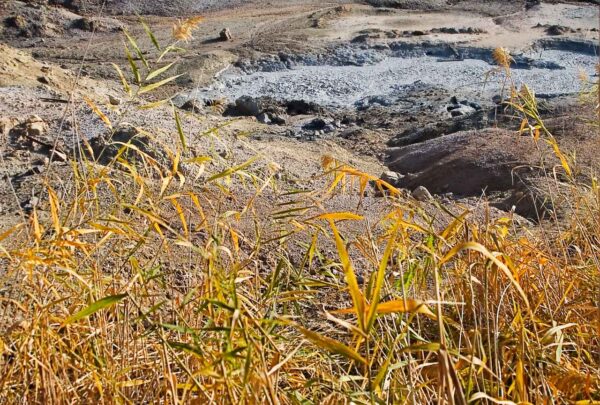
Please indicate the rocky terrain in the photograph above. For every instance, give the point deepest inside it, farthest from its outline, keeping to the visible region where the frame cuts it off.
(299, 201)
(401, 86)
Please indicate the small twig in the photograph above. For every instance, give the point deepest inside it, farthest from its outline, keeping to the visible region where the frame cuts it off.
(55, 150)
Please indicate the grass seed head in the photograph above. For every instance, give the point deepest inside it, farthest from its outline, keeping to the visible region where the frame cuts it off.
(182, 29)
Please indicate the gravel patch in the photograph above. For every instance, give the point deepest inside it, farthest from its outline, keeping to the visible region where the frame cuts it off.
(343, 86)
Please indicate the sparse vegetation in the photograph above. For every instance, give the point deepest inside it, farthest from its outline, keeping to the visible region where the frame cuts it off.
(147, 279)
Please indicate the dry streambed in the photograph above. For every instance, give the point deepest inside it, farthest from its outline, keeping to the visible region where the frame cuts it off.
(353, 75)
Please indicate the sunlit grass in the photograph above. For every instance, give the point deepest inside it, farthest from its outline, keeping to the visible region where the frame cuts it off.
(148, 282)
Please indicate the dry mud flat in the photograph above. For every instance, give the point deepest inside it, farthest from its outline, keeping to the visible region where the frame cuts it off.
(371, 75)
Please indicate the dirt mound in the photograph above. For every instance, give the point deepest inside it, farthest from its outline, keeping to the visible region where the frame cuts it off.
(499, 163)
(32, 20)
(18, 68)
(464, 163)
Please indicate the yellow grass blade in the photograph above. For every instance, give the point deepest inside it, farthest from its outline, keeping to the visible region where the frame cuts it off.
(179, 129)
(154, 86)
(54, 207)
(126, 85)
(396, 306)
(97, 111)
(380, 277)
(357, 296)
(159, 71)
(331, 345)
(340, 216)
(481, 249)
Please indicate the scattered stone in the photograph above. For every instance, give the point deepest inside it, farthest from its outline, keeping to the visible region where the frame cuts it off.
(301, 107)
(362, 38)
(114, 100)
(278, 119)
(30, 204)
(84, 24)
(451, 30)
(532, 3)
(475, 106)
(36, 127)
(459, 111)
(34, 118)
(263, 118)
(367, 102)
(329, 128)
(106, 148)
(557, 30)
(192, 105)
(17, 21)
(225, 35)
(324, 125)
(43, 80)
(247, 105)
(462, 107)
(421, 194)
(391, 177)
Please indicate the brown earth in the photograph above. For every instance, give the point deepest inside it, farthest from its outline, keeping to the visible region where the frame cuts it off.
(52, 56)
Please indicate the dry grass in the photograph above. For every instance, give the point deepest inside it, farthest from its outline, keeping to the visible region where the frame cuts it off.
(138, 284)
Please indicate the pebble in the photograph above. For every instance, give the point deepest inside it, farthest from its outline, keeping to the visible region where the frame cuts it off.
(421, 194)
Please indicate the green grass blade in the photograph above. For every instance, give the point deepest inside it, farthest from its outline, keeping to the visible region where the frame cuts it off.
(150, 34)
(94, 307)
(154, 86)
(180, 130)
(159, 71)
(331, 345)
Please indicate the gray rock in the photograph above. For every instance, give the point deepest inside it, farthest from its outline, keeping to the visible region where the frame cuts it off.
(462, 110)
(498, 99)
(391, 177)
(278, 119)
(225, 35)
(317, 124)
(247, 105)
(263, 118)
(30, 204)
(475, 105)
(192, 105)
(329, 128)
(114, 100)
(36, 127)
(421, 194)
